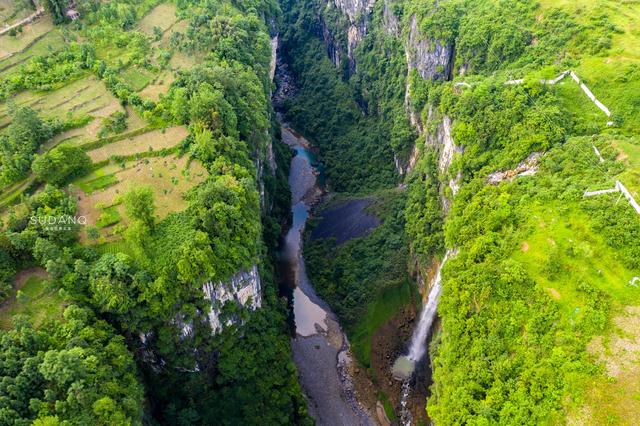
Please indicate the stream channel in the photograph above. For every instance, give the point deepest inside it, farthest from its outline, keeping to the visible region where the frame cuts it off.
(320, 347)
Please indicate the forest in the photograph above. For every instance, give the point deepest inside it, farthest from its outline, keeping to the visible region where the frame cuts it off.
(142, 176)
(534, 288)
(134, 343)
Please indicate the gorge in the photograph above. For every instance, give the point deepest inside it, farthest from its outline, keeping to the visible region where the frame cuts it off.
(332, 212)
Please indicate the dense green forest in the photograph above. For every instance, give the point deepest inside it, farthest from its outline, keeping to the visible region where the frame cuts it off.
(134, 344)
(534, 286)
(141, 171)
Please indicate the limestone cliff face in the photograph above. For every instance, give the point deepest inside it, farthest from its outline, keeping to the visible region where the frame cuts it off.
(357, 13)
(432, 59)
(390, 21)
(354, 9)
(242, 289)
(331, 44)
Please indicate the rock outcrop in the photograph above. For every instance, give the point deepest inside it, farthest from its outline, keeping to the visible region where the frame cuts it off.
(243, 289)
(526, 168)
(432, 59)
(442, 140)
(331, 44)
(357, 13)
(390, 21)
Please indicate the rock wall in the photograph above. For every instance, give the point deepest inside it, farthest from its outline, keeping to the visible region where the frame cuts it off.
(357, 12)
(354, 9)
(331, 44)
(429, 57)
(432, 60)
(390, 21)
(243, 288)
(442, 140)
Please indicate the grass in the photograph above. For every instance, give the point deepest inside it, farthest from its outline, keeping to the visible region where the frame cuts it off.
(388, 407)
(561, 232)
(170, 178)
(86, 96)
(10, 194)
(114, 247)
(629, 153)
(159, 87)
(98, 183)
(151, 141)
(14, 10)
(38, 38)
(136, 78)
(613, 76)
(162, 16)
(38, 301)
(109, 216)
(587, 118)
(384, 307)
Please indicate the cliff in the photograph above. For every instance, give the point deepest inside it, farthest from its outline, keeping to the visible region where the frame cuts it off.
(357, 13)
(429, 57)
(242, 289)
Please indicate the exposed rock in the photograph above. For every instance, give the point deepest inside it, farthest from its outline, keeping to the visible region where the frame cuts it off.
(526, 168)
(274, 57)
(443, 141)
(429, 57)
(333, 48)
(243, 288)
(355, 9)
(405, 167)
(390, 21)
(354, 36)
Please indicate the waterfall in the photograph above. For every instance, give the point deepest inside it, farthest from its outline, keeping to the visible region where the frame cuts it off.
(428, 314)
(404, 366)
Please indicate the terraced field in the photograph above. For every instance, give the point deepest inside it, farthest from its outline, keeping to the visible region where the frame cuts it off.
(147, 142)
(99, 193)
(87, 96)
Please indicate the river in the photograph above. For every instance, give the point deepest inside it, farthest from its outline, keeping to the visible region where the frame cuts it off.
(320, 348)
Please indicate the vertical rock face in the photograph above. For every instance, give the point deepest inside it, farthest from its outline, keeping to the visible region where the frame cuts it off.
(354, 9)
(390, 20)
(357, 12)
(429, 57)
(432, 60)
(443, 141)
(333, 48)
(243, 289)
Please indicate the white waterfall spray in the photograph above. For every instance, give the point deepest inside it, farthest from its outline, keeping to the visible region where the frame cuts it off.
(404, 366)
(428, 314)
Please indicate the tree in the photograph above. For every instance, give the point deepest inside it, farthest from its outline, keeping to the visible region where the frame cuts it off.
(61, 164)
(57, 9)
(76, 371)
(139, 205)
(19, 142)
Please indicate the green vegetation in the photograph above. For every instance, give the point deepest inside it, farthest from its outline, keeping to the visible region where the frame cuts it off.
(37, 299)
(39, 366)
(97, 183)
(61, 164)
(19, 143)
(540, 271)
(144, 255)
(365, 280)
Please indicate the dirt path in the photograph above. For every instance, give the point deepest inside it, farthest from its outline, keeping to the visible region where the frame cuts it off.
(35, 15)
